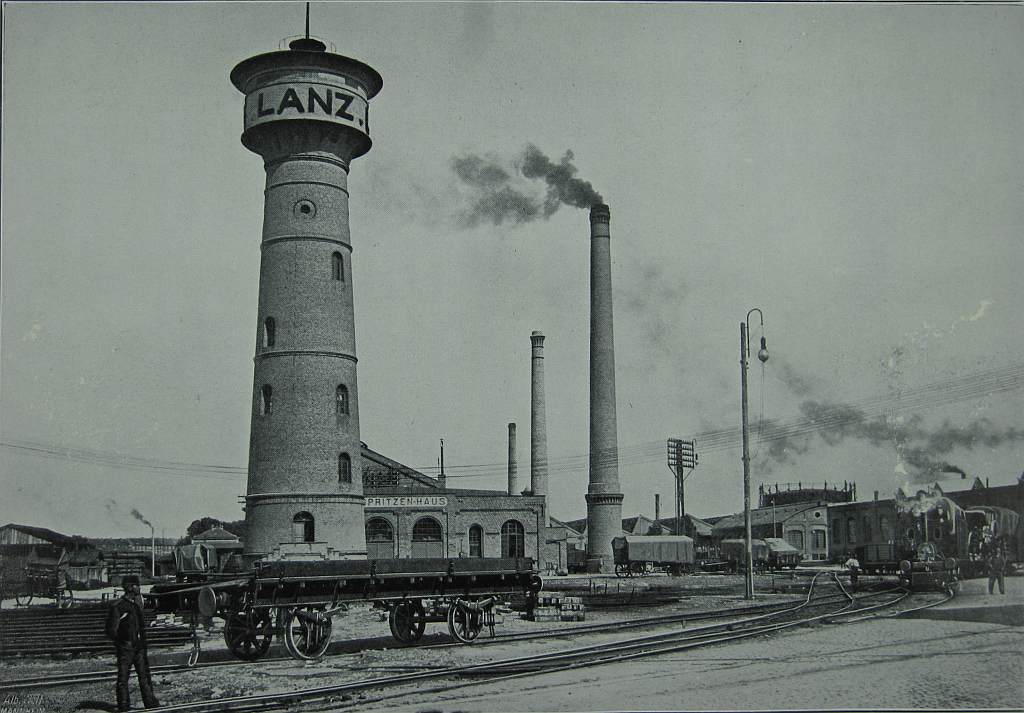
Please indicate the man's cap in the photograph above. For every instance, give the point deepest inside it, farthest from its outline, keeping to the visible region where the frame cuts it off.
(129, 579)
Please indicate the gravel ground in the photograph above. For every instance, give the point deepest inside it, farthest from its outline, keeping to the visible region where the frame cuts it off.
(363, 648)
(785, 671)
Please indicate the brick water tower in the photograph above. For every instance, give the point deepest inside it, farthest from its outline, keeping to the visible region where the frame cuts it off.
(306, 115)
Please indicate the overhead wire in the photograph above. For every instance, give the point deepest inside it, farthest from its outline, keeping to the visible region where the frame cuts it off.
(989, 382)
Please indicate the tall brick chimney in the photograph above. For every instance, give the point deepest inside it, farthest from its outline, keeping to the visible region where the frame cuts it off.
(604, 501)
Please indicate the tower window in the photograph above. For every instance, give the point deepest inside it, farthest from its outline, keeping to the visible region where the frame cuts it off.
(344, 468)
(341, 400)
(268, 332)
(266, 400)
(338, 267)
(303, 527)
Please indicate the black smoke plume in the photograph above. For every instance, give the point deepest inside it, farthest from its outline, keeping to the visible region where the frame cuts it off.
(138, 516)
(499, 193)
(923, 448)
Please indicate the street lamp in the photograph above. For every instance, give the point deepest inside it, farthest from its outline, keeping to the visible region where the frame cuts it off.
(762, 355)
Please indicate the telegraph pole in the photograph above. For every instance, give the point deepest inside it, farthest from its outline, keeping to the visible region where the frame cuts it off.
(681, 456)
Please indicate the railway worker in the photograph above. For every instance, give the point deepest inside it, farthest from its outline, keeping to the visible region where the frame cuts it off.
(994, 551)
(126, 627)
(853, 567)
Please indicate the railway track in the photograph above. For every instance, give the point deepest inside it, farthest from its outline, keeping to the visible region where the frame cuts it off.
(71, 631)
(106, 674)
(821, 609)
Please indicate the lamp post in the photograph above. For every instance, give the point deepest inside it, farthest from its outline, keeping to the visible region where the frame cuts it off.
(762, 354)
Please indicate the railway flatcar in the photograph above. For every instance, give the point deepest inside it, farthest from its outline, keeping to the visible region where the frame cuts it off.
(637, 555)
(734, 553)
(298, 599)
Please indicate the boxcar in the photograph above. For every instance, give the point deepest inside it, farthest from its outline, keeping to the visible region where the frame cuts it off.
(640, 554)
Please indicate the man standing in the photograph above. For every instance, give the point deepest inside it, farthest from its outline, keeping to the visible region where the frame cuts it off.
(853, 565)
(126, 627)
(994, 551)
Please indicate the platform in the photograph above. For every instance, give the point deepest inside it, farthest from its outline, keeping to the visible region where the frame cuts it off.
(974, 603)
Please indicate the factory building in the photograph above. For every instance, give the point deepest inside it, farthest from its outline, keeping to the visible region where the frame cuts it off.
(410, 514)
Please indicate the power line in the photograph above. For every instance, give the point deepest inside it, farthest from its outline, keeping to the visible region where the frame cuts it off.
(989, 382)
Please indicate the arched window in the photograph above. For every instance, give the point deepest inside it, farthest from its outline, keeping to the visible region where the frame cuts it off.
(344, 468)
(795, 538)
(476, 541)
(380, 539)
(851, 530)
(867, 528)
(341, 400)
(338, 267)
(883, 525)
(304, 527)
(266, 400)
(513, 539)
(268, 332)
(837, 531)
(427, 538)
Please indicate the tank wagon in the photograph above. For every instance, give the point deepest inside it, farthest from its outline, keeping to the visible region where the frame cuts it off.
(297, 599)
(637, 555)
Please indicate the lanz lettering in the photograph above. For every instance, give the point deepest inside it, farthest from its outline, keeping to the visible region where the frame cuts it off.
(314, 101)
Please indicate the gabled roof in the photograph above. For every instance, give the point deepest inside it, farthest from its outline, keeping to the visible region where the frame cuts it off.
(763, 516)
(697, 526)
(215, 533)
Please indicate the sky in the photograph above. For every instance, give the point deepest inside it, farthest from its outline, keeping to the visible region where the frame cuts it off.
(853, 171)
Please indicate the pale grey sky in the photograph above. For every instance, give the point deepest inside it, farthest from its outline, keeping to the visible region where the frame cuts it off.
(855, 171)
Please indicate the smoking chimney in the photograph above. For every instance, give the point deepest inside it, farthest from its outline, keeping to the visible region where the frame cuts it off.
(538, 423)
(604, 501)
(513, 466)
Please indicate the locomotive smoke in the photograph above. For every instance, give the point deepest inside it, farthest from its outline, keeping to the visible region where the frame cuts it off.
(920, 447)
(496, 199)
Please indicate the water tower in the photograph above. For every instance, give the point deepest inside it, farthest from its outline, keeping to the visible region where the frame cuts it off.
(306, 115)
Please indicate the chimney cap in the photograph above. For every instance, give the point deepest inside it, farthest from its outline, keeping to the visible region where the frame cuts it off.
(600, 213)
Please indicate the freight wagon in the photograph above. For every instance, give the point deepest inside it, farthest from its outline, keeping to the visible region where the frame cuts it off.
(637, 555)
(734, 553)
(298, 599)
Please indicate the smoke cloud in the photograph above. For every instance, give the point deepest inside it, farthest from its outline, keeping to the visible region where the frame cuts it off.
(138, 516)
(500, 194)
(923, 448)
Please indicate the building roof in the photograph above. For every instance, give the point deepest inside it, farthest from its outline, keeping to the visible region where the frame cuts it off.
(555, 522)
(697, 526)
(54, 538)
(215, 533)
(763, 516)
(393, 465)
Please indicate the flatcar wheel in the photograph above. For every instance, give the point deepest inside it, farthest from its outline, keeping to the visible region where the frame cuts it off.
(464, 624)
(636, 569)
(407, 620)
(307, 633)
(622, 570)
(248, 635)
